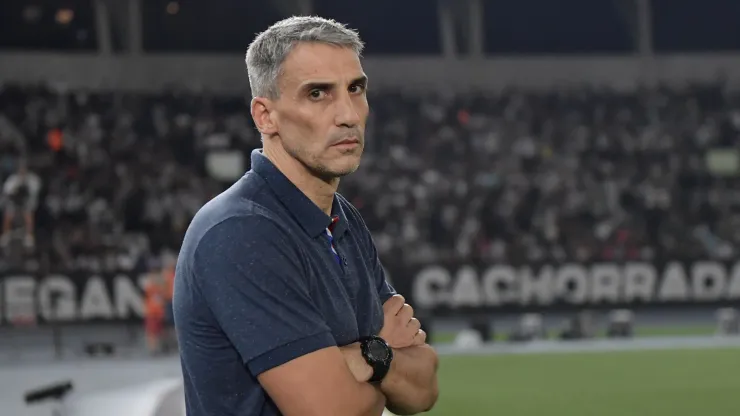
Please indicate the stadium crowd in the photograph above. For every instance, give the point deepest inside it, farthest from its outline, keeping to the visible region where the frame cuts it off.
(578, 173)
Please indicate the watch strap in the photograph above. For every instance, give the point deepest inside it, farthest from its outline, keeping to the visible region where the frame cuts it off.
(380, 367)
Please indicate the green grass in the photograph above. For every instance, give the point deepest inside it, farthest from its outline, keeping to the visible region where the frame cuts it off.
(642, 383)
(675, 331)
(646, 331)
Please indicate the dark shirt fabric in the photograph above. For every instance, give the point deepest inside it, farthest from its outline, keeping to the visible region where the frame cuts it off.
(257, 285)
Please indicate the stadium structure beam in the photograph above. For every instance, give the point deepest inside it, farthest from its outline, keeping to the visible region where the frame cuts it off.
(474, 22)
(627, 9)
(295, 7)
(645, 27)
(117, 12)
(447, 19)
(645, 41)
(125, 21)
(305, 7)
(637, 15)
(103, 27)
(135, 27)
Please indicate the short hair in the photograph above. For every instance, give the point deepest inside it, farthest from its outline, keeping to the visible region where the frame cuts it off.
(269, 49)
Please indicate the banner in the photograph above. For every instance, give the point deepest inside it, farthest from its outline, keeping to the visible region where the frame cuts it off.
(442, 289)
(70, 298)
(436, 288)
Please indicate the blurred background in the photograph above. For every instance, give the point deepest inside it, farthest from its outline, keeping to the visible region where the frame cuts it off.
(540, 177)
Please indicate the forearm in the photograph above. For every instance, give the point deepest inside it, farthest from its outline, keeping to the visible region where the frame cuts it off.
(373, 399)
(410, 387)
(411, 384)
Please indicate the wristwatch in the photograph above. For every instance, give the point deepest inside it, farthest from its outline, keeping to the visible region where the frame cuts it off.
(378, 355)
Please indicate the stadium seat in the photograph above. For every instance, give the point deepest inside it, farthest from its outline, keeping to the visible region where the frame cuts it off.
(728, 321)
(579, 326)
(530, 328)
(482, 324)
(620, 324)
(95, 349)
(468, 339)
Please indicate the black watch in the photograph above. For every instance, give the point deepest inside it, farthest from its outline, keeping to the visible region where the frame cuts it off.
(378, 355)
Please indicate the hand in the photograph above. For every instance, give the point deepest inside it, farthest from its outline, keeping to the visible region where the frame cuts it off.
(400, 328)
(356, 363)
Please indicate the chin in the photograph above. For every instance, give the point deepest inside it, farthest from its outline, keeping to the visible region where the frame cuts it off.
(352, 165)
(346, 163)
(345, 170)
(348, 171)
(337, 170)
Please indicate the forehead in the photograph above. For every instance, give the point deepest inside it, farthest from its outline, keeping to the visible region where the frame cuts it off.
(319, 61)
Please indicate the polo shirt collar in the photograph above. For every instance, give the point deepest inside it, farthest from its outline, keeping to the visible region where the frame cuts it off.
(311, 218)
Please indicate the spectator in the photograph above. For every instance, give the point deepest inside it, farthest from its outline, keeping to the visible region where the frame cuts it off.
(155, 300)
(516, 176)
(21, 192)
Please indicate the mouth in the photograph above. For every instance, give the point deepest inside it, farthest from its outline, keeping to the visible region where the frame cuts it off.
(348, 142)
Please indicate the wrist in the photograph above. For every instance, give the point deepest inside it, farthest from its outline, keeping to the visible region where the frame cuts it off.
(378, 355)
(364, 370)
(356, 362)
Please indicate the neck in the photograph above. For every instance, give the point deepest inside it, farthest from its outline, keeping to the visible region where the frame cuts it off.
(319, 191)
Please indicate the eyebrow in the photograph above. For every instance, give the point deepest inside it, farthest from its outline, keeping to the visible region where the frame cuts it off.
(324, 85)
(359, 80)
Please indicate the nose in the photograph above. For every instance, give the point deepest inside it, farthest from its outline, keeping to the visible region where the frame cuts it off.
(347, 114)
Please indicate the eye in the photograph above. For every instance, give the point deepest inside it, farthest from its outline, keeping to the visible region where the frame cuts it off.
(316, 94)
(356, 88)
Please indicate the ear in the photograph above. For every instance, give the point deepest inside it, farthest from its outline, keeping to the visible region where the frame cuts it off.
(261, 109)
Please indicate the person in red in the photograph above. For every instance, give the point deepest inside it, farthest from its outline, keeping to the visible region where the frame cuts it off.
(155, 300)
(169, 337)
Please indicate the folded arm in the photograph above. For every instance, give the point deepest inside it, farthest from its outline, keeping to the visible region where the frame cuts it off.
(410, 387)
(411, 384)
(319, 384)
(253, 282)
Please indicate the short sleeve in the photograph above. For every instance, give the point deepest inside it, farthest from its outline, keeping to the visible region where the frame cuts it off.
(251, 277)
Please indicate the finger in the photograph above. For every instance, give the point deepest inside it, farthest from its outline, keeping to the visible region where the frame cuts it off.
(414, 324)
(420, 338)
(393, 305)
(406, 313)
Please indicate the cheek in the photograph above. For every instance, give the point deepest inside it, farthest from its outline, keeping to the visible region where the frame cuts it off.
(312, 119)
(317, 128)
(297, 127)
(363, 108)
(307, 135)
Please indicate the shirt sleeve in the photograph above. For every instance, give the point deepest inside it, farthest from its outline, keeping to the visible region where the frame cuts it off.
(251, 277)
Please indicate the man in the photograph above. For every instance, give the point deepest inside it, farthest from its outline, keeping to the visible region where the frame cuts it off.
(281, 304)
(168, 321)
(21, 192)
(155, 293)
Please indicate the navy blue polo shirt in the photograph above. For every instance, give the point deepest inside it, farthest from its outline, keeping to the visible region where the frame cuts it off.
(258, 284)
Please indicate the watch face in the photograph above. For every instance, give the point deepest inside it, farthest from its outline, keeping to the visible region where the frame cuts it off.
(377, 351)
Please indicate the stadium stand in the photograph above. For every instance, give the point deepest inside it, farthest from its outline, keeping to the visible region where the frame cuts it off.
(520, 157)
(586, 174)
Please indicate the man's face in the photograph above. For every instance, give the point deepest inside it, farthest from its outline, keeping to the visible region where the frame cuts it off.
(321, 113)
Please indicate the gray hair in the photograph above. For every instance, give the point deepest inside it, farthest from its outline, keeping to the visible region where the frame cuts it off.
(269, 49)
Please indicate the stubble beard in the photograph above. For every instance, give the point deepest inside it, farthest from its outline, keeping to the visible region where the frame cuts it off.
(321, 170)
